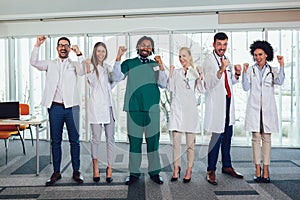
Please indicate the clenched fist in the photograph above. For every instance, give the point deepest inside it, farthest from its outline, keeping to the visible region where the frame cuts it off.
(40, 40)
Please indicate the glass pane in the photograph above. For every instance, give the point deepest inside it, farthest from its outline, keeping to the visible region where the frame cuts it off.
(22, 69)
(240, 53)
(3, 70)
(284, 43)
(37, 81)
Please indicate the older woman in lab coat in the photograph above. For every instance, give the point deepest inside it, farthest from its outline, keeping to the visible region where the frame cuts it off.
(261, 113)
(184, 116)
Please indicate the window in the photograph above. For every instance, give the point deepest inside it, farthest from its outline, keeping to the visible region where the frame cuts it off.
(167, 44)
(286, 43)
(4, 70)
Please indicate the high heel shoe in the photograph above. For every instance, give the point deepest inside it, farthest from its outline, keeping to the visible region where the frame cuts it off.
(108, 179)
(187, 180)
(96, 179)
(178, 175)
(95, 165)
(266, 180)
(257, 179)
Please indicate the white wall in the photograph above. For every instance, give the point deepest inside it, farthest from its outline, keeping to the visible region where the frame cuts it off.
(113, 25)
(62, 17)
(118, 25)
(41, 9)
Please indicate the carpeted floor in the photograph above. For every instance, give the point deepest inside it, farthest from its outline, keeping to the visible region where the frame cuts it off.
(18, 179)
(30, 166)
(289, 187)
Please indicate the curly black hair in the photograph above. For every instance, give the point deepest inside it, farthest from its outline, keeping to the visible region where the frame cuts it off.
(265, 46)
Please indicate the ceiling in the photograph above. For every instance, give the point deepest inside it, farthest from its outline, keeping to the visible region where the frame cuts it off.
(42, 9)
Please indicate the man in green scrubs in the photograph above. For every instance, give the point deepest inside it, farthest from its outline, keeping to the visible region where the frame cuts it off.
(142, 97)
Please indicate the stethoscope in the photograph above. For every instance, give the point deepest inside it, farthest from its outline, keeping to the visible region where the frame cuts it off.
(219, 64)
(270, 72)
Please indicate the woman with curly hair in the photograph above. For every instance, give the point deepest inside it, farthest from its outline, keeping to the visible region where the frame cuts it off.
(261, 112)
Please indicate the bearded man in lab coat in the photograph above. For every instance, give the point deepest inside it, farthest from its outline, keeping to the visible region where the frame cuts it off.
(61, 97)
(219, 117)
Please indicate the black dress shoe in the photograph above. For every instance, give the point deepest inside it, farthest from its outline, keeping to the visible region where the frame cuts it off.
(108, 179)
(78, 177)
(157, 179)
(265, 180)
(54, 177)
(96, 179)
(131, 179)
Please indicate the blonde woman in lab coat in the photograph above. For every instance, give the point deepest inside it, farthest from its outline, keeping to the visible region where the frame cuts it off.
(261, 113)
(184, 116)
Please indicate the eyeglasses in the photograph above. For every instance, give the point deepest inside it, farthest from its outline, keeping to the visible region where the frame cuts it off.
(64, 45)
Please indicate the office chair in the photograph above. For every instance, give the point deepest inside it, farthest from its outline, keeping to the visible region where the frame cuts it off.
(25, 110)
(6, 131)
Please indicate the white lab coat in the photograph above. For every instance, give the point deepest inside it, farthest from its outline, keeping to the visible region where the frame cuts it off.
(264, 92)
(101, 96)
(69, 80)
(215, 96)
(184, 114)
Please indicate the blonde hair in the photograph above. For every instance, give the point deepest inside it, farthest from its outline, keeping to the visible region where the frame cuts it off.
(189, 52)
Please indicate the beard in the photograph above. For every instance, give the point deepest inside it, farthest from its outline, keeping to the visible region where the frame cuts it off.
(63, 54)
(220, 52)
(145, 53)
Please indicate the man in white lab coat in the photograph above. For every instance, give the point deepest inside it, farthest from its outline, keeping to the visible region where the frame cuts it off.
(62, 100)
(219, 77)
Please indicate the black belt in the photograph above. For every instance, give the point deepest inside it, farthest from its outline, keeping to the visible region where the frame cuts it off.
(58, 104)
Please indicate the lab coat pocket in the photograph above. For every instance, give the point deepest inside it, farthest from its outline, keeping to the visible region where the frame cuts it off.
(268, 82)
(71, 68)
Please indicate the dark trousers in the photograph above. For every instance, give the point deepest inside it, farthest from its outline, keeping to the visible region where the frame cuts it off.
(223, 140)
(58, 115)
(137, 124)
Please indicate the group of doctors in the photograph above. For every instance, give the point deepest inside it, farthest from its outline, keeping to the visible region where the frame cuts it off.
(215, 79)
